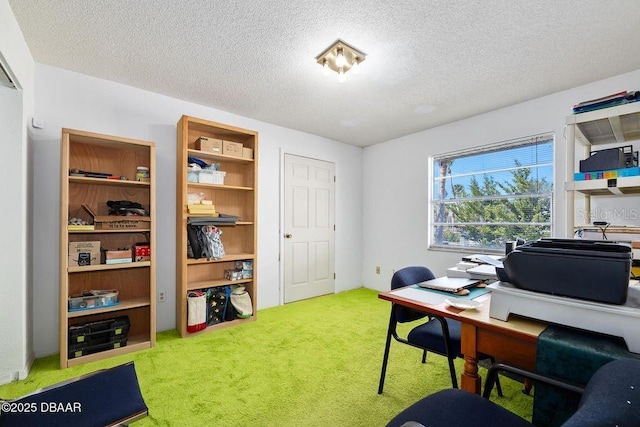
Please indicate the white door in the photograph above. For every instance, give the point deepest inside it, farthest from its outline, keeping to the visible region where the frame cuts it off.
(309, 264)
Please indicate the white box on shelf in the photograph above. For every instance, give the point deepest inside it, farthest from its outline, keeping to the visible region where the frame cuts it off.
(205, 176)
(218, 177)
(209, 176)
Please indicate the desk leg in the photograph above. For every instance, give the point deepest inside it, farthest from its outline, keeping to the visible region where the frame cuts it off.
(470, 380)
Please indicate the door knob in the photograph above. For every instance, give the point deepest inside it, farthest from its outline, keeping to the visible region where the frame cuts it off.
(288, 236)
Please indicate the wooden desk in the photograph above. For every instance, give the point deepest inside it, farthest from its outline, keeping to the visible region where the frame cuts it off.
(512, 342)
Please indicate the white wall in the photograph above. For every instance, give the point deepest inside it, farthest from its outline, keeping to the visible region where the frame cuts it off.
(396, 179)
(381, 192)
(71, 100)
(15, 261)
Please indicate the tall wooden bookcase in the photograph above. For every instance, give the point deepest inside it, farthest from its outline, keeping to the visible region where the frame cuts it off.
(135, 281)
(236, 196)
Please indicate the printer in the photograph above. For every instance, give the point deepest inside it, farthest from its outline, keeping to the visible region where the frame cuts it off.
(578, 283)
(596, 270)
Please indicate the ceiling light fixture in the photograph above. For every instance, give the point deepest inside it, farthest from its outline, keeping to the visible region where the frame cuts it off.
(340, 57)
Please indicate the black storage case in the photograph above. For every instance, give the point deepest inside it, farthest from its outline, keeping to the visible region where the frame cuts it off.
(594, 270)
(84, 348)
(97, 336)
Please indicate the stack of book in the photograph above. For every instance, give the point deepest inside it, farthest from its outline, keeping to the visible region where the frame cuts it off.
(202, 208)
(612, 100)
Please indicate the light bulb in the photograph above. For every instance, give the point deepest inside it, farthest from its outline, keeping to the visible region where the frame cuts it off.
(341, 76)
(325, 68)
(355, 67)
(340, 59)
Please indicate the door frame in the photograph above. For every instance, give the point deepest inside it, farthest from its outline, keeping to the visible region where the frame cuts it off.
(281, 213)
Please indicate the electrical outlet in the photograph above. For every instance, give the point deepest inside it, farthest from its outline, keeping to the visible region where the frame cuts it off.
(37, 123)
(377, 269)
(162, 297)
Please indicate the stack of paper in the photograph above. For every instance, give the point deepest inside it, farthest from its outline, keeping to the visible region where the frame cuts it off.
(483, 272)
(202, 209)
(456, 272)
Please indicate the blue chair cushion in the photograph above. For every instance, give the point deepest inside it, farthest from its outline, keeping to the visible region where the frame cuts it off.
(429, 335)
(455, 407)
(612, 397)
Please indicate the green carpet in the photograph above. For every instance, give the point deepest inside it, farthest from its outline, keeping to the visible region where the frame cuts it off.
(313, 363)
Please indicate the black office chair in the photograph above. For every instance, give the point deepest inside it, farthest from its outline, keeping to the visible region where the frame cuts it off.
(611, 397)
(107, 397)
(438, 335)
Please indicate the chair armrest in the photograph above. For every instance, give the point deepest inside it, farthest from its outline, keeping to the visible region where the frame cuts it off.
(499, 367)
(103, 398)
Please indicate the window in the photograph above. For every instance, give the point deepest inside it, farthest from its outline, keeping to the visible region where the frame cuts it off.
(483, 197)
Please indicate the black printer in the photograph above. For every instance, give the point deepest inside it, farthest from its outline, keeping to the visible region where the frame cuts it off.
(596, 270)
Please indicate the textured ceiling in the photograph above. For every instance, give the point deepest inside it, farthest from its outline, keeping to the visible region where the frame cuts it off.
(429, 62)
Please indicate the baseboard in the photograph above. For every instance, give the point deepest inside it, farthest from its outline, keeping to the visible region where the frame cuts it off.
(22, 374)
(9, 376)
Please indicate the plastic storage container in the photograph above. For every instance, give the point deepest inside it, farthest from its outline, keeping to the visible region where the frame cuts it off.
(192, 174)
(93, 299)
(142, 174)
(210, 176)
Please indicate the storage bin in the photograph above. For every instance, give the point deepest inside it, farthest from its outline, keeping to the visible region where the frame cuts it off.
(205, 176)
(93, 299)
(210, 176)
(100, 331)
(218, 177)
(192, 175)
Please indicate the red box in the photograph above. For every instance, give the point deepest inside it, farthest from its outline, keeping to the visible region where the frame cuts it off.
(141, 252)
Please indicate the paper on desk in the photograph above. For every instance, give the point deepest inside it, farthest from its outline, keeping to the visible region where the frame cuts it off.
(420, 295)
(483, 271)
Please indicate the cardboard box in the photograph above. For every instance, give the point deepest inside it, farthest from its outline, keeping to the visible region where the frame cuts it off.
(104, 221)
(247, 153)
(213, 145)
(117, 257)
(233, 149)
(82, 259)
(84, 253)
(141, 252)
(78, 247)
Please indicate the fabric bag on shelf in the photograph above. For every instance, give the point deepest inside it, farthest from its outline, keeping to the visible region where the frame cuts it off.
(241, 301)
(211, 240)
(196, 311)
(217, 299)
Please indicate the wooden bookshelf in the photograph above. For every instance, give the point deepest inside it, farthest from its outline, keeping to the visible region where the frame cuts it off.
(134, 281)
(237, 196)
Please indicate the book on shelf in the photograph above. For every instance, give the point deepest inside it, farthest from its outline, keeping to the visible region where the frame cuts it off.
(199, 209)
(204, 214)
(602, 99)
(613, 100)
(88, 227)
